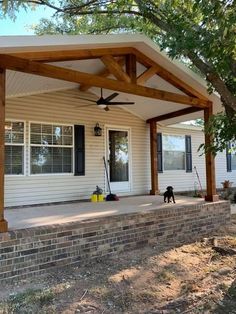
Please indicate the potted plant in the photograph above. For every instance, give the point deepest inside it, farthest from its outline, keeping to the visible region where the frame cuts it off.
(226, 184)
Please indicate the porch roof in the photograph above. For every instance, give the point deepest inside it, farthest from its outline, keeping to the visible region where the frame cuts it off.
(19, 84)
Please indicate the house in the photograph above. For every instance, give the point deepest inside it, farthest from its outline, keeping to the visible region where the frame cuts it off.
(50, 85)
(175, 166)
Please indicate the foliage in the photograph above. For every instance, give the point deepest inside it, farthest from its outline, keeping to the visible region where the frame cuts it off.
(202, 32)
(223, 131)
(29, 301)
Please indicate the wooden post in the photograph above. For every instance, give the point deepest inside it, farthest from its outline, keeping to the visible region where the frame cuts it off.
(153, 148)
(131, 68)
(211, 195)
(3, 222)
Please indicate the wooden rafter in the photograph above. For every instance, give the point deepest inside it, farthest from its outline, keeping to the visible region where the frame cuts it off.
(174, 114)
(115, 69)
(103, 73)
(73, 54)
(46, 70)
(168, 76)
(147, 74)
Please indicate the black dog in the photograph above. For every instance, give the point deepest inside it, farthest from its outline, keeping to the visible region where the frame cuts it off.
(169, 194)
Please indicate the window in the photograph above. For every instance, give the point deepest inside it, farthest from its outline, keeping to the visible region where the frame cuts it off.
(14, 148)
(51, 148)
(174, 152)
(233, 161)
(230, 157)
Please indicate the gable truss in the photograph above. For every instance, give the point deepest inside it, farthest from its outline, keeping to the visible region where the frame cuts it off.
(114, 59)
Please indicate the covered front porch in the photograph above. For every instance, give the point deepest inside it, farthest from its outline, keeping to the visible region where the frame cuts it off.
(135, 67)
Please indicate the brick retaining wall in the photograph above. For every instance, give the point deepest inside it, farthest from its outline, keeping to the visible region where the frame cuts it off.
(31, 251)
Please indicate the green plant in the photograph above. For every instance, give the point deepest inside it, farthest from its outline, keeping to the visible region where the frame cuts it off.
(29, 301)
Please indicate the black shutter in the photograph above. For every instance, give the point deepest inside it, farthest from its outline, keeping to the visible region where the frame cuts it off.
(188, 153)
(228, 158)
(159, 153)
(79, 150)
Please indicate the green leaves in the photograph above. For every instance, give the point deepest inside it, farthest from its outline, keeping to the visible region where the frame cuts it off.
(203, 32)
(223, 130)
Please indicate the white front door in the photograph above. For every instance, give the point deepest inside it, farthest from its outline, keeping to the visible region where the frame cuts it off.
(118, 159)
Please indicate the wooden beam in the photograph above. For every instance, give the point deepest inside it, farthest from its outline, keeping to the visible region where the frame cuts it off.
(174, 114)
(153, 154)
(210, 163)
(104, 73)
(51, 55)
(3, 222)
(115, 69)
(131, 67)
(168, 76)
(146, 75)
(47, 70)
(71, 54)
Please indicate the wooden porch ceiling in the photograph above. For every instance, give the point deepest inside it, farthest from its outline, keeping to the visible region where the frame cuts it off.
(114, 59)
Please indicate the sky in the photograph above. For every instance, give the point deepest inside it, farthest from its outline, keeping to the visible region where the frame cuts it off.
(23, 22)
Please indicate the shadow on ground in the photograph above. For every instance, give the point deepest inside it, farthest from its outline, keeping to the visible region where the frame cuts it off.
(191, 279)
(228, 304)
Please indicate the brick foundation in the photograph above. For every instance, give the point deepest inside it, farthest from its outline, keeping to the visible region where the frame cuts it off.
(28, 252)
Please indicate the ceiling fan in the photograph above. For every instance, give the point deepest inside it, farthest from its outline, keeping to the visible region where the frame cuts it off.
(103, 103)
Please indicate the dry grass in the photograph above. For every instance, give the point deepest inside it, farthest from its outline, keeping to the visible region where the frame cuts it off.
(189, 279)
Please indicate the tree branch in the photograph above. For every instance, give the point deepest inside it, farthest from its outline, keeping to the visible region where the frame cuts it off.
(115, 12)
(44, 3)
(152, 17)
(214, 78)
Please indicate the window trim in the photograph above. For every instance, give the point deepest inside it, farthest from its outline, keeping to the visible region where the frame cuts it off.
(37, 145)
(115, 127)
(14, 144)
(163, 153)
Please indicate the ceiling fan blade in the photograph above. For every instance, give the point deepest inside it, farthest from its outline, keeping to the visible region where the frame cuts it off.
(110, 97)
(120, 103)
(101, 101)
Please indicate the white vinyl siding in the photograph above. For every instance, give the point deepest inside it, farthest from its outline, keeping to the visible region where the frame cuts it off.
(14, 147)
(63, 107)
(183, 181)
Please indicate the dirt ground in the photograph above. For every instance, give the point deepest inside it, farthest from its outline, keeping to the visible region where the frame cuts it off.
(189, 279)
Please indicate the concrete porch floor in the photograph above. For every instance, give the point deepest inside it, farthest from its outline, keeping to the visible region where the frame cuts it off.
(41, 215)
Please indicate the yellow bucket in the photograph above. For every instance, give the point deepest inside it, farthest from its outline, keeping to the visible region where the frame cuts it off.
(100, 198)
(94, 198)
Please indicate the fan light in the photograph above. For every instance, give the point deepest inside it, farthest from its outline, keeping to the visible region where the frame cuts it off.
(101, 106)
(97, 130)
